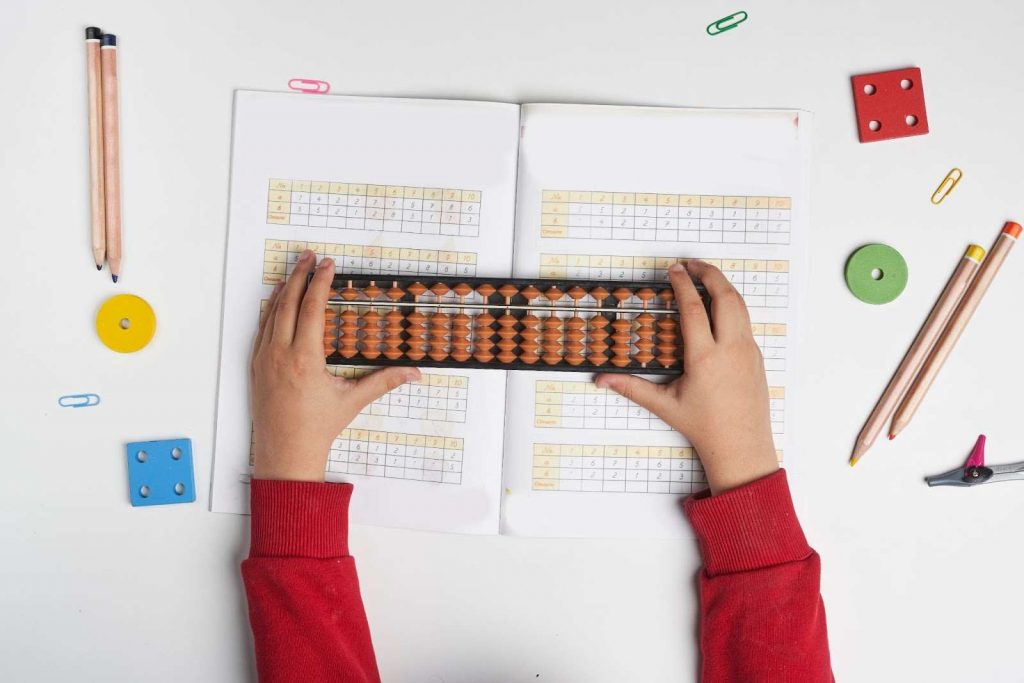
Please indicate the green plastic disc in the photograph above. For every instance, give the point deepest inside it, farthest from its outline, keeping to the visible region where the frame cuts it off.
(876, 273)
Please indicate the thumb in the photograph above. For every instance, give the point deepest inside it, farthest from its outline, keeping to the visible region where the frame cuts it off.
(370, 387)
(645, 393)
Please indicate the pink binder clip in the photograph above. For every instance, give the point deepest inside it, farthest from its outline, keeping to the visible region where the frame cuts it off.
(308, 85)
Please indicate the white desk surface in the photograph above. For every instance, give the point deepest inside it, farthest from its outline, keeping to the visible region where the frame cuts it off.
(919, 583)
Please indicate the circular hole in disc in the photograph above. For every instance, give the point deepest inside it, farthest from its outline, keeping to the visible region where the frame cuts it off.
(876, 274)
(179, 488)
(144, 491)
(875, 125)
(911, 120)
(869, 89)
(141, 456)
(906, 84)
(176, 453)
(125, 323)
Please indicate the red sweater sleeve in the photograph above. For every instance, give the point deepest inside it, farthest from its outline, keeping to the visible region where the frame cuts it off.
(762, 617)
(305, 610)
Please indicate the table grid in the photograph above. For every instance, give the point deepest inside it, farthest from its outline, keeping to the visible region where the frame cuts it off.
(396, 455)
(280, 257)
(629, 469)
(665, 217)
(763, 284)
(582, 405)
(438, 398)
(387, 208)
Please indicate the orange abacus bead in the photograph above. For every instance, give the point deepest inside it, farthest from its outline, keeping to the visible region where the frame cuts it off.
(439, 289)
(395, 293)
(621, 294)
(348, 336)
(418, 345)
(393, 337)
(462, 289)
(371, 334)
(438, 336)
(483, 344)
(460, 336)
(349, 294)
(667, 335)
(552, 294)
(508, 291)
(417, 289)
(577, 293)
(485, 290)
(371, 291)
(621, 329)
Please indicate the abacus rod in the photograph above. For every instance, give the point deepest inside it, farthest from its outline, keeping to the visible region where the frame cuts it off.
(513, 307)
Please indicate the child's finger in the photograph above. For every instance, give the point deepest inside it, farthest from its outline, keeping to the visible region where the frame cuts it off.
(288, 300)
(727, 306)
(310, 328)
(369, 388)
(693, 319)
(266, 328)
(643, 392)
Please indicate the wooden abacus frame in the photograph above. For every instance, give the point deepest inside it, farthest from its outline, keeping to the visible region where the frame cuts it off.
(501, 323)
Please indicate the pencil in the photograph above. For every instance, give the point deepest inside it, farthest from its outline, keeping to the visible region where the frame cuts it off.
(111, 154)
(962, 275)
(957, 322)
(98, 215)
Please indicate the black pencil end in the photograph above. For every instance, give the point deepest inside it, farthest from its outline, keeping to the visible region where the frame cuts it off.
(93, 33)
(108, 40)
(99, 267)
(114, 278)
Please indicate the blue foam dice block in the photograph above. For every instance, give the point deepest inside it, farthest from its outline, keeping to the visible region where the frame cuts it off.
(160, 472)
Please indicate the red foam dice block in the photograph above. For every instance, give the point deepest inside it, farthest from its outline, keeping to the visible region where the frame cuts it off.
(890, 104)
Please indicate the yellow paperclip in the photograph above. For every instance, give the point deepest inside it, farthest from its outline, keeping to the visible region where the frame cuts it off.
(947, 184)
(727, 23)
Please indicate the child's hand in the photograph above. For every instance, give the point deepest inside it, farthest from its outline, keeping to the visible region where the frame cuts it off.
(297, 407)
(720, 402)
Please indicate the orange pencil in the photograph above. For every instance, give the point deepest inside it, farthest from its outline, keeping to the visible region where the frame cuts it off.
(96, 198)
(111, 153)
(915, 356)
(957, 322)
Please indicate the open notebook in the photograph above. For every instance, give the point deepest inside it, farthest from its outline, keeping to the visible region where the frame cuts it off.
(389, 186)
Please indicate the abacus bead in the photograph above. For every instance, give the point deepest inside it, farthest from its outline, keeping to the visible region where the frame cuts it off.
(577, 293)
(508, 291)
(439, 289)
(553, 294)
(622, 293)
(645, 294)
(417, 288)
(395, 293)
(620, 361)
(530, 292)
(349, 294)
(462, 289)
(485, 290)
(371, 291)
(599, 293)
(667, 295)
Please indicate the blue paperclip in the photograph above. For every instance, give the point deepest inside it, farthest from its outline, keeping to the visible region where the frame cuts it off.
(726, 23)
(78, 400)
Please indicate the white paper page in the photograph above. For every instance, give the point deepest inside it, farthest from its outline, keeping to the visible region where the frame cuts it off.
(384, 186)
(620, 193)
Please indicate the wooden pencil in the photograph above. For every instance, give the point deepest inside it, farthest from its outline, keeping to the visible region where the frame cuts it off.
(96, 197)
(922, 345)
(111, 153)
(957, 323)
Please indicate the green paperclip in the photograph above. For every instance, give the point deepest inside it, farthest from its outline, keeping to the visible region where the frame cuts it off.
(723, 24)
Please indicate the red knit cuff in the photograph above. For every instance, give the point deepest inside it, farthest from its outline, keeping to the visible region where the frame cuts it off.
(299, 519)
(747, 528)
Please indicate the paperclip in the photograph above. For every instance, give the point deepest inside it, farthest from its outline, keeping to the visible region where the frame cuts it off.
(948, 183)
(309, 85)
(723, 24)
(78, 400)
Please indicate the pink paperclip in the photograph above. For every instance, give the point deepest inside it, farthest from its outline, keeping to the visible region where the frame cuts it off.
(308, 85)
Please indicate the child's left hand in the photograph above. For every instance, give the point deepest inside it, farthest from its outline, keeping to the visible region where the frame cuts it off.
(298, 408)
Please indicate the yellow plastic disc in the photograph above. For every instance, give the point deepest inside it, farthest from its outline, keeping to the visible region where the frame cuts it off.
(125, 323)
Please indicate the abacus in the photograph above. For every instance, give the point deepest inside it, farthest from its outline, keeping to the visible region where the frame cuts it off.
(509, 324)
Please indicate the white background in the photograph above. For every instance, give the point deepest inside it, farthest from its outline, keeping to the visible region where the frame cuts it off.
(919, 584)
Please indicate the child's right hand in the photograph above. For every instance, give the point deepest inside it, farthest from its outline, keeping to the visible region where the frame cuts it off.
(720, 402)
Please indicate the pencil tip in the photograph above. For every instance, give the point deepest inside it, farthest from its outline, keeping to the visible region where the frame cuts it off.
(99, 267)
(854, 460)
(891, 436)
(114, 278)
